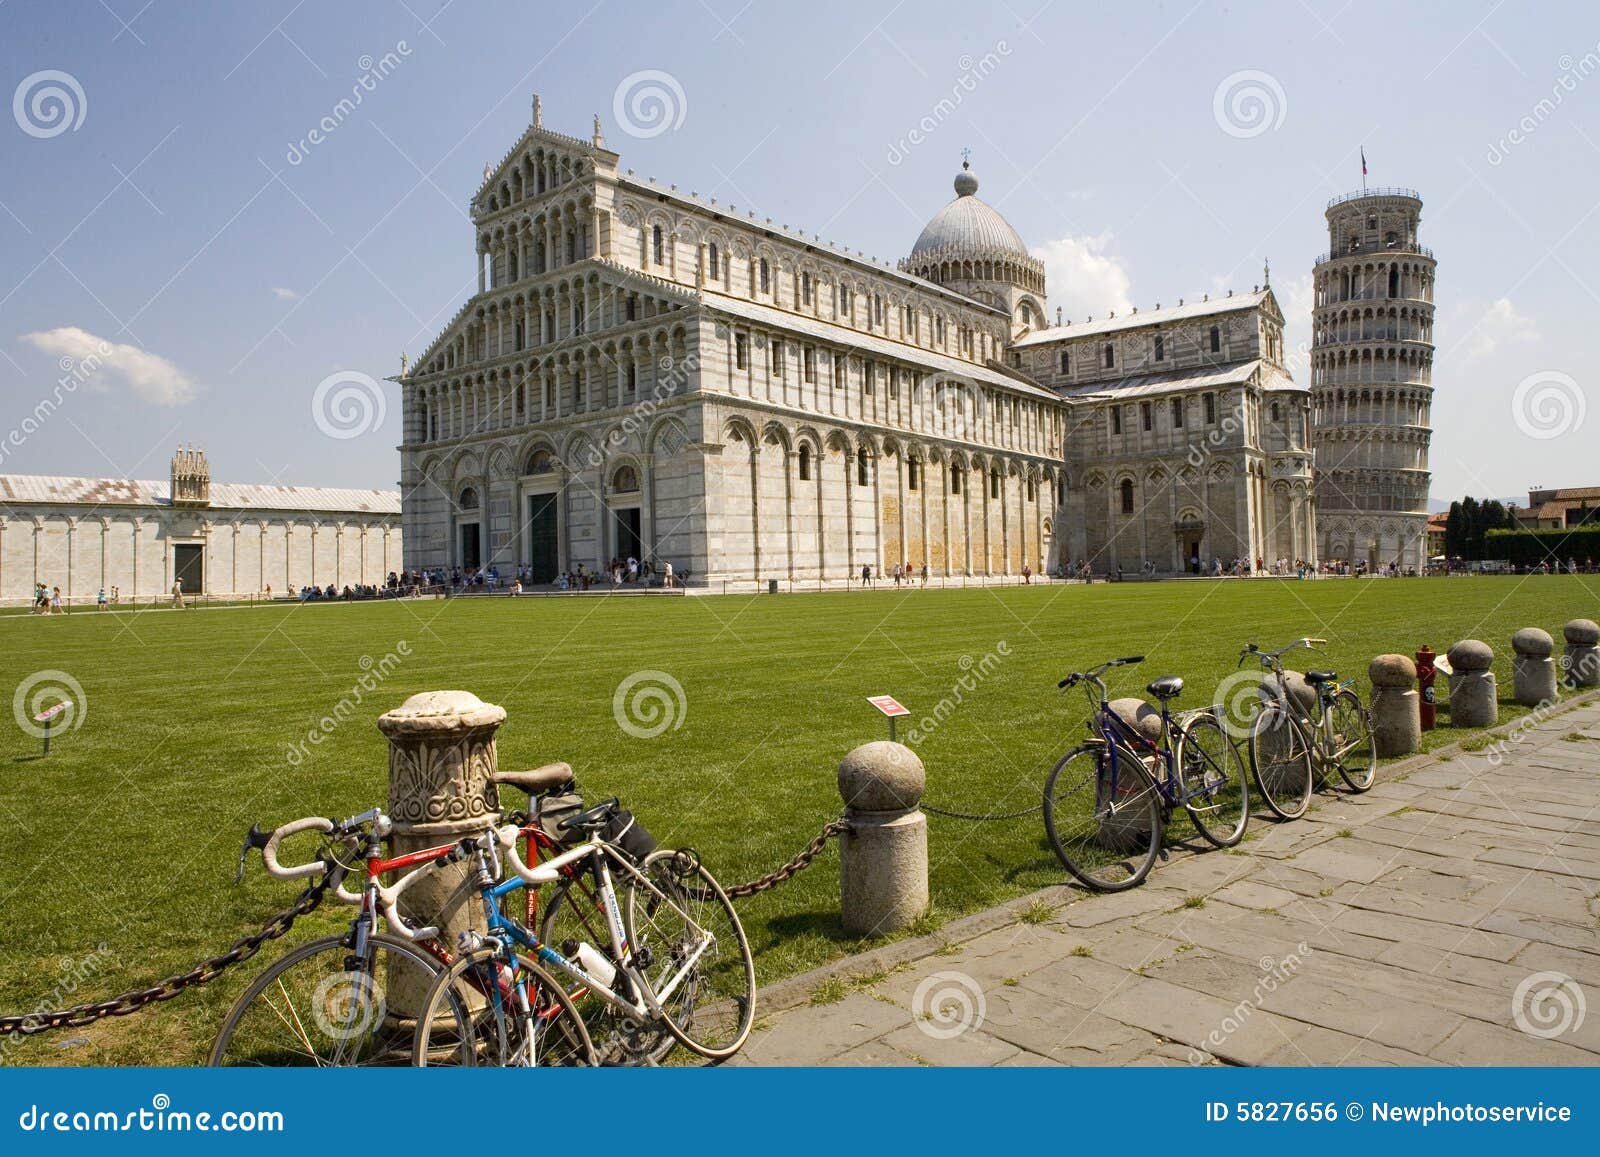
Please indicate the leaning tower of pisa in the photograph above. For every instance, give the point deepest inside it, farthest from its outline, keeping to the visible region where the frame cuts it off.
(1372, 381)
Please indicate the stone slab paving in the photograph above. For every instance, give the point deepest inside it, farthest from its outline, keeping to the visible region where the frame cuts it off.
(1394, 928)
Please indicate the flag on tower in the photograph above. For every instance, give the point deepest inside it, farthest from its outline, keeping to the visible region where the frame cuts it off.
(1363, 160)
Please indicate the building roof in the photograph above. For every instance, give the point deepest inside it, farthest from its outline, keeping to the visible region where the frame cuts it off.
(812, 327)
(1147, 385)
(968, 225)
(798, 237)
(1173, 313)
(43, 488)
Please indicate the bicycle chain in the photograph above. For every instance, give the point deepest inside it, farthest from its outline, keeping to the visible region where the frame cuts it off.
(203, 973)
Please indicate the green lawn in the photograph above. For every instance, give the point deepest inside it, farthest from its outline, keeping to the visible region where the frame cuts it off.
(126, 835)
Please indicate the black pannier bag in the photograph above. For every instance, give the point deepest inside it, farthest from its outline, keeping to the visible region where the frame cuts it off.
(626, 832)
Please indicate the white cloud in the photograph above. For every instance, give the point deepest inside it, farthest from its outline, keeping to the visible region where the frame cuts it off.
(152, 378)
(1500, 322)
(1084, 278)
(284, 294)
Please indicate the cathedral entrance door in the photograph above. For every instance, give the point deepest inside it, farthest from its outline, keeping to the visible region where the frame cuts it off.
(471, 549)
(625, 534)
(189, 566)
(543, 557)
(1191, 560)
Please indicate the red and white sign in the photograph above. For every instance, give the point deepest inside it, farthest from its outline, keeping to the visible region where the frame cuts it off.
(888, 704)
(50, 713)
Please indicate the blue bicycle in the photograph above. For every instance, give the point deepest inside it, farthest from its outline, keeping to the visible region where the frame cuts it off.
(1108, 801)
(674, 958)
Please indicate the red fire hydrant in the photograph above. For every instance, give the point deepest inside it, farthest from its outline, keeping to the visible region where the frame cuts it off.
(1425, 676)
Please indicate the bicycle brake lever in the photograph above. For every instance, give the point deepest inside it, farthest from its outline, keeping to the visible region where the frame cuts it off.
(254, 838)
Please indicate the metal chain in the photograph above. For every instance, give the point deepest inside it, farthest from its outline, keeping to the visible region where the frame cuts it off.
(778, 875)
(203, 973)
(981, 818)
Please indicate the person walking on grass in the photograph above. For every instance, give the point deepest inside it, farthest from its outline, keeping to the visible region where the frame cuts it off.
(666, 574)
(100, 599)
(924, 574)
(55, 601)
(177, 596)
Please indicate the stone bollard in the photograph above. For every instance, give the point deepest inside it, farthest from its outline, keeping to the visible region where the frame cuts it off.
(883, 854)
(1396, 705)
(1581, 662)
(1472, 686)
(441, 753)
(1533, 671)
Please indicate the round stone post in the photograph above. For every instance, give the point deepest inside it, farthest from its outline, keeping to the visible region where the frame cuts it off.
(1396, 705)
(1473, 701)
(1533, 671)
(1581, 662)
(883, 854)
(441, 752)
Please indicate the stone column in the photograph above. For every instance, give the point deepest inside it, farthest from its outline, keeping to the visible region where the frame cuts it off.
(1396, 706)
(1581, 661)
(441, 754)
(1472, 685)
(883, 854)
(1533, 671)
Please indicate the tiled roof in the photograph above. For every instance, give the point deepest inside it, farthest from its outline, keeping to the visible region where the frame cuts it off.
(29, 488)
(1172, 313)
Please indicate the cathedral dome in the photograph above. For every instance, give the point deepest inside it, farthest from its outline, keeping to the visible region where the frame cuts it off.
(968, 226)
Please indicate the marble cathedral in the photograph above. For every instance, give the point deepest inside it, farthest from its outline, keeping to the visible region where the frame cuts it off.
(646, 372)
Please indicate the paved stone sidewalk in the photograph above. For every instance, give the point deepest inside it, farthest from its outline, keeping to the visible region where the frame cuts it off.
(1391, 928)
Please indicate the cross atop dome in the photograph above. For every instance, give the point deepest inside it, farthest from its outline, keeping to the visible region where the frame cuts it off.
(966, 179)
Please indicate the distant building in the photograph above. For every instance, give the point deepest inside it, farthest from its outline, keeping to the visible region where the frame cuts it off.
(1559, 509)
(1436, 537)
(216, 538)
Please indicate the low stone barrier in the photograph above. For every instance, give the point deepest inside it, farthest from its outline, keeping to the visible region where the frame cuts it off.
(1396, 705)
(1533, 671)
(1473, 693)
(1580, 663)
(883, 853)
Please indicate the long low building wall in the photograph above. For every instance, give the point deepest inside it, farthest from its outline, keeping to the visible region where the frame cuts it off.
(85, 535)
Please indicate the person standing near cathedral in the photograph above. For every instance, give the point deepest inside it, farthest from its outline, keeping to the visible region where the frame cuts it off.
(177, 596)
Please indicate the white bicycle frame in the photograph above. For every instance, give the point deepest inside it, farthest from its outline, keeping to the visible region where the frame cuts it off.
(549, 871)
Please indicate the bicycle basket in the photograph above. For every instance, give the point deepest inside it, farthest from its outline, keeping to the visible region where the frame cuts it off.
(555, 808)
(624, 831)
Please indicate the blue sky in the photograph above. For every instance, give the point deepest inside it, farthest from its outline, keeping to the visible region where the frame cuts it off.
(174, 209)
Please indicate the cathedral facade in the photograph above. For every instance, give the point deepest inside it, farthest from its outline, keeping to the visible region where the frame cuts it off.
(645, 372)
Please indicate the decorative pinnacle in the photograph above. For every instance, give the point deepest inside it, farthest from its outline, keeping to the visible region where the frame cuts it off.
(538, 113)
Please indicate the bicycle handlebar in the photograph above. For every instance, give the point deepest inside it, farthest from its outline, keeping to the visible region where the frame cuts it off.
(269, 852)
(1073, 679)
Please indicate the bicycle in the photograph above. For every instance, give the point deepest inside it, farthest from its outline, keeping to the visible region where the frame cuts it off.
(1108, 801)
(351, 998)
(1290, 751)
(690, 974)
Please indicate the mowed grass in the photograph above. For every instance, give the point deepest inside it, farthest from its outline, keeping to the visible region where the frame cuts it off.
(126, 835)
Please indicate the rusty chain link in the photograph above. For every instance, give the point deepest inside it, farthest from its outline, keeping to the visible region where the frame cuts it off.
(773, 878)
(203, 973)
(980, 817)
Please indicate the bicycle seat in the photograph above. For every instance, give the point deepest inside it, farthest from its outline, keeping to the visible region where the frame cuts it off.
(1166, 687)
(550, 777)
(1321, 677)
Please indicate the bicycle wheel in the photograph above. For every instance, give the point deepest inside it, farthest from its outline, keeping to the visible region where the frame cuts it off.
(691, 950)
(573, 913)
(1211, 777)
(1105, 828)
(1354, 753)
(322, 1005)
(495, 1032)
(1281, 762)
